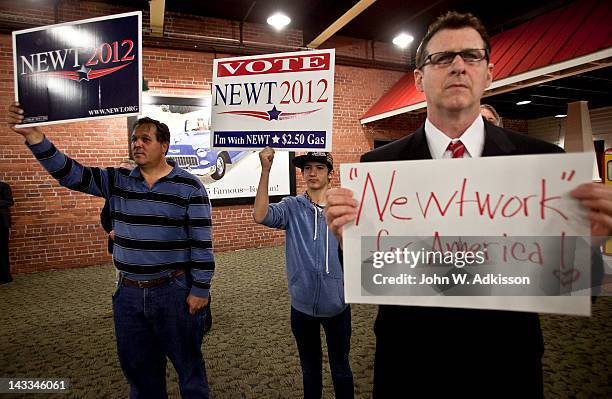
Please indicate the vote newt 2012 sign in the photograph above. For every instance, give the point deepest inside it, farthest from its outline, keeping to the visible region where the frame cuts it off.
(80, 70)
(284, 101)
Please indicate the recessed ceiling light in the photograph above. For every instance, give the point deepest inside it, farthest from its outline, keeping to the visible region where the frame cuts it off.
(403, 40)
(278, 20)
(523, 102)
(560, 116)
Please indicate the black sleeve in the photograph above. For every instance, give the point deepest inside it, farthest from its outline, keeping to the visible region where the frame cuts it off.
(105, 218)
(6, 196)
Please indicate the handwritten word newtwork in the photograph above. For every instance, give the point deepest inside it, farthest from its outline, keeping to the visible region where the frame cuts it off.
(517, 210)
(463, 201)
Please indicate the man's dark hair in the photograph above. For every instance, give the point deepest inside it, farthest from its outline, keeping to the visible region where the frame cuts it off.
(452, 20)
(162, 133)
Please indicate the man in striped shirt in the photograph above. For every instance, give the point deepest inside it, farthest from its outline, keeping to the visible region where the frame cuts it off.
(161, 216)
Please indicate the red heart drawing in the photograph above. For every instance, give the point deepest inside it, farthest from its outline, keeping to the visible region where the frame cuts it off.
(567, 277)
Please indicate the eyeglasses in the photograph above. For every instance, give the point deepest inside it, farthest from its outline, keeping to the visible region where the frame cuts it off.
(470, 55)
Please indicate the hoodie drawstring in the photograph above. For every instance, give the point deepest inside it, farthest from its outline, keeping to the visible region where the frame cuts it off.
(316, 229)
(327, 249)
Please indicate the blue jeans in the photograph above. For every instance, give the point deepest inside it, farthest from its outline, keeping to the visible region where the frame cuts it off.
(307, 330)
(152, 323)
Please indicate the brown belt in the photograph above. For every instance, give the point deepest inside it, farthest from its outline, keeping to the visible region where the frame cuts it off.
(151, 283)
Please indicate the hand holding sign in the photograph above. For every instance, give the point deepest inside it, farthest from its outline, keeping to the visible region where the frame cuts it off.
(266, 157)
(528, 227)
(341, 209)
(598, 199)
(71, 71)
(32, 135)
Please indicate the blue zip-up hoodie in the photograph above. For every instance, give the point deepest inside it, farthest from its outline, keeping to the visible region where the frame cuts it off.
(314, 273)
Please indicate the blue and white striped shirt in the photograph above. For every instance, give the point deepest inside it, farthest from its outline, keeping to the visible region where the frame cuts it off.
(157, 229)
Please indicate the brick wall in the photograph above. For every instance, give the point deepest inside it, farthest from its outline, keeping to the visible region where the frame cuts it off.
(58, 228)
(191, 25)
(54, 227)
(516, 125)
(179, 25)
(379, 51)
(40, 13)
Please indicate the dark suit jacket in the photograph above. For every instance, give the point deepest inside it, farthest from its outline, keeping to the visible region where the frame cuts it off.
(442, 352)
(6, 201)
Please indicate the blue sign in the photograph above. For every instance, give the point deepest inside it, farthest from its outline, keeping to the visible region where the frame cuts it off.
(80, 70)
(274, 139)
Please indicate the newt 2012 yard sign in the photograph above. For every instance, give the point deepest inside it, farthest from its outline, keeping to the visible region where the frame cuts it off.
(284, 101)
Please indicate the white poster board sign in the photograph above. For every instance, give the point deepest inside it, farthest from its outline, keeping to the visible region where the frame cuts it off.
(501, 200)
(284, 101)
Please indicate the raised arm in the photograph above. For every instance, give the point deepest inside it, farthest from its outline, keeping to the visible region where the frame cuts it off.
(67, 171)
(32, 135)
(260, 209)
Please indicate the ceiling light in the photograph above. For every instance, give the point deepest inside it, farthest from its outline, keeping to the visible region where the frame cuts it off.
(278, 20)
(560, 116)
(403, 40)
(523, 102)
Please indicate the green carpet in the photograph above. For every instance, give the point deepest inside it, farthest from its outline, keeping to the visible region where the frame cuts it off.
(57, 324)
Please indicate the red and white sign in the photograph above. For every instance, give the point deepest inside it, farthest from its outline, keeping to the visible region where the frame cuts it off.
(292, 63)
(283, 101)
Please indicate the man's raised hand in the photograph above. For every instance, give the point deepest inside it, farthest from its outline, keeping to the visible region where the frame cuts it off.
(266, 157)
(15, 116)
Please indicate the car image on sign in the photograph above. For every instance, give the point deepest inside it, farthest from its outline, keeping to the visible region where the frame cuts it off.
(190, 149)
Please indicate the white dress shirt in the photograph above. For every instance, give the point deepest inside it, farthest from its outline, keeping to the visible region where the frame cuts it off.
(472, 139)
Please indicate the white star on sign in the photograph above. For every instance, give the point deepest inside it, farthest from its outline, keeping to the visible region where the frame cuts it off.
(275, 139)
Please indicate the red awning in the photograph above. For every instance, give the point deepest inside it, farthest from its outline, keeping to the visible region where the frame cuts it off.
(545, 48)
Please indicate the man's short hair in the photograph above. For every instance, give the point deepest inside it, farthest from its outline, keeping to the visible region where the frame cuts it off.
(451, 20)
(162, 132)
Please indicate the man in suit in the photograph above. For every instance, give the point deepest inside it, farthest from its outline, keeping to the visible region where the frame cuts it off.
(428, 352)
(6, 201)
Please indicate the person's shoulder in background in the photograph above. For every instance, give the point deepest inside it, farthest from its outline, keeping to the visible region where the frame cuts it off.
(524, 143)
(392, 151)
